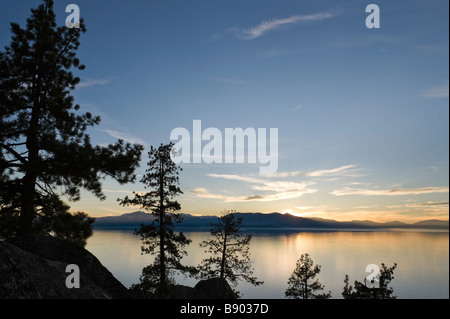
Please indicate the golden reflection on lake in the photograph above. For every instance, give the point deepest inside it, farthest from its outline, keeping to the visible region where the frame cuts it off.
(422, 258)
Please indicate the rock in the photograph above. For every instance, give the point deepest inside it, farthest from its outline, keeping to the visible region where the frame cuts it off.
(181, 292)
(34, 266)
(215, 288)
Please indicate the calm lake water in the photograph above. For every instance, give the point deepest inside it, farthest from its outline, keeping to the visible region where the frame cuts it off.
(422, 259)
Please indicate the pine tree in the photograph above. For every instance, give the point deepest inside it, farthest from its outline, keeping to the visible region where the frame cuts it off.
(362, 291)
(45, 150)
(159, 237)
(300, 285)
(230, 251)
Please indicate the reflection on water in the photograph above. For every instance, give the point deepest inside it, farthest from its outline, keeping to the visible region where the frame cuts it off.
(422, 258)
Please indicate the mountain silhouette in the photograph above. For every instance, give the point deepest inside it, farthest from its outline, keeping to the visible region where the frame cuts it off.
(272, 220)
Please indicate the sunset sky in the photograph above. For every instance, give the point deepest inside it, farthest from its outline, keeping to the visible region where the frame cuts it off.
(362, 114)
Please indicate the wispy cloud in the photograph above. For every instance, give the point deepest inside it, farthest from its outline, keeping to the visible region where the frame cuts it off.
(242, 178)
(124, 136)
(278, 190)
(422, 205)
(389, 192)
(296, 108)
(434, 204)
(421, 210)
(287, 174)
(92, 82)
(266, 26)
(201, 192)
(346, 170)
(403, 213)
(366, 206)
(432, 168)
(437, 92)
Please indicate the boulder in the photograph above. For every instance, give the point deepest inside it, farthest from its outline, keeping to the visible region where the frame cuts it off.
(34, 266)
(215, 288)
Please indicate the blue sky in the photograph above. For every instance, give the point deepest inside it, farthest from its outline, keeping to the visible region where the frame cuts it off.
(362, 114)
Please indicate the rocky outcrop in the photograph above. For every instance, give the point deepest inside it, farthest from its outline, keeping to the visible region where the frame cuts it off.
(35, 267)
(215, 288)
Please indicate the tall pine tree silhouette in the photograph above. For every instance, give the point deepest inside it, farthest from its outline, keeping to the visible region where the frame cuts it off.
(159, 237)
(45, 150)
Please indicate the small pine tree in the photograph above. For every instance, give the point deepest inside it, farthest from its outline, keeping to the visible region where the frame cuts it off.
(230, 251)
(361, 291)
(301, 284)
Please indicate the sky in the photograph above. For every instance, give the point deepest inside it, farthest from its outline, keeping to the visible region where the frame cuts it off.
(362, 114)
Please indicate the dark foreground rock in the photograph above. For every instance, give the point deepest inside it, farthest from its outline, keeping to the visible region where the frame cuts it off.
(35, 267)
(215, 288)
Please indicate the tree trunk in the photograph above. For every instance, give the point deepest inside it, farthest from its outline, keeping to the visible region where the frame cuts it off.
(162, 261)
(305, 293)
(27, 205)
(224, 249)
(29, 180)
(32, 145)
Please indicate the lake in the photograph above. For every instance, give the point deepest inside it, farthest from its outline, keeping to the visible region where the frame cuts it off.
(422, 258)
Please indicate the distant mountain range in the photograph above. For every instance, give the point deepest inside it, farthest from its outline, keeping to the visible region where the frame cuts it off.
(259, 220)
